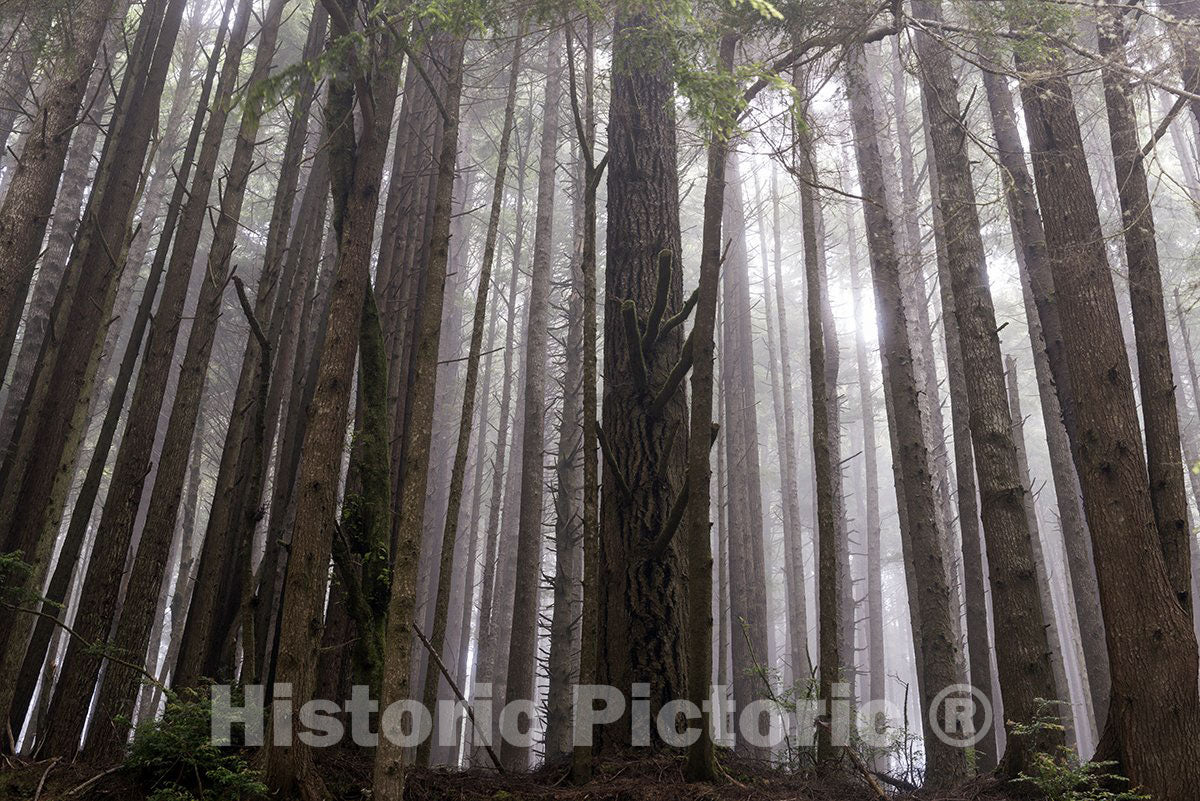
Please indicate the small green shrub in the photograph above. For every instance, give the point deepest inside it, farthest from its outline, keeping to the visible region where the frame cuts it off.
(176, 758)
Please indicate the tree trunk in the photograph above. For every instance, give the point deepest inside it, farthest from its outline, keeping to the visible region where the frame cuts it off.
(1021, 639)
(933, 627)
(641, 601)
(30, 199)
(388, 779)
(1152, 650)
(1155, 379)
(1054, 385)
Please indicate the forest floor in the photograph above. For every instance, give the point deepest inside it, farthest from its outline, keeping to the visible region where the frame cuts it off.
(658, 778)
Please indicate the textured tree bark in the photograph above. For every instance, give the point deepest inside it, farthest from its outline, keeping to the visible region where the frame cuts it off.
(1155, 376)
(932, 625)
(1054, 385)
(1021, 638)
(59, 398)
(1152, 650)
(34, 185)
(641, 601)
(77, 172)
(118, 690)
(522, 652)
(388, 779)
(357, 165)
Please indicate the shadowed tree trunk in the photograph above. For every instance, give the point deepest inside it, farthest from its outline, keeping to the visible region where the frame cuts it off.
(1054, 386)
(522, 650)
(1155, 379)
(1146, 628)
(1021, 638)
(932, 619)
(641, 601)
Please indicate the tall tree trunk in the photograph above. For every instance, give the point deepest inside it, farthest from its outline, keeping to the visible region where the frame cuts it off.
(60, 395)
(388, 778)
(1054, 385)
(522, 650)
(933, 627)
(1054, 639)
(220, 576)
(118, 690)
(641, 601)
(747, 589)
(1155, 379)
(470, 388)
(1021, 638)
(357, 164)
(1148, 627)
(30, 199)
(822, 367)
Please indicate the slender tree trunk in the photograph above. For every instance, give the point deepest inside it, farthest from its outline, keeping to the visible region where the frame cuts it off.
(388, 779)
(450, 533)
(34, 185)
(357, 167)
(61, 392)
(523, 646)
(932, 621)
(1021, 638)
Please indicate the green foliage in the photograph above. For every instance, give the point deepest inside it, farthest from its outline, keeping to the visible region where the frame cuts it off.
(177, 759)
(1060, 776)
(14, 576)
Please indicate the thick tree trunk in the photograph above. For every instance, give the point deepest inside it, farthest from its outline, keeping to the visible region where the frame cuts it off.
(1152, 650)
(641, 601)
(1054, 386)
(1155, 379)
(933, 627)
(30, 197)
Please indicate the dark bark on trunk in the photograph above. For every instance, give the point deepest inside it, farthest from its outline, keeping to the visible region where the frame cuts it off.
(1155, 379)
(388, 779)
(1054, 386)
(470, 388)
(1021, 638)
(220, 576)
(357, 164)
(933, 628)
(59, 399)
(641, 601)
(118, 690)
(30, 196)
(1152, 650)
